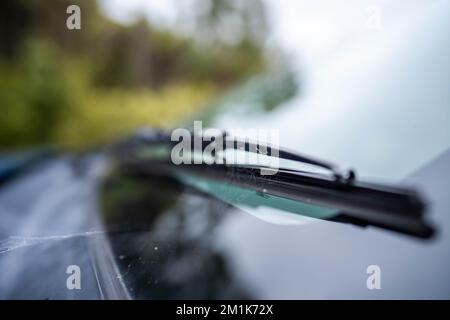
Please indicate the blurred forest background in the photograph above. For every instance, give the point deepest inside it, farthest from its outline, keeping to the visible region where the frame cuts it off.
(81, 88)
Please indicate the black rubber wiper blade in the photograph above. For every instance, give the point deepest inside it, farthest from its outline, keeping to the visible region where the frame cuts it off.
(365, 204)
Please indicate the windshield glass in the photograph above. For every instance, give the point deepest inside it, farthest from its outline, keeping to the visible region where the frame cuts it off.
(378, 102)
(360, 84)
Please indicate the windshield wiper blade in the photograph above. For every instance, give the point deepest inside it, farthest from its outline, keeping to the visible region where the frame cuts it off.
(361, 203)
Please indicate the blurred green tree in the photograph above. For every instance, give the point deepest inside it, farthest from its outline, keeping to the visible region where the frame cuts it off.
(88, 86)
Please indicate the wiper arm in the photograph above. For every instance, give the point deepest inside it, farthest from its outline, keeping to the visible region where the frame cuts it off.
(347, 176)
(153, 137)
(356, 202)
